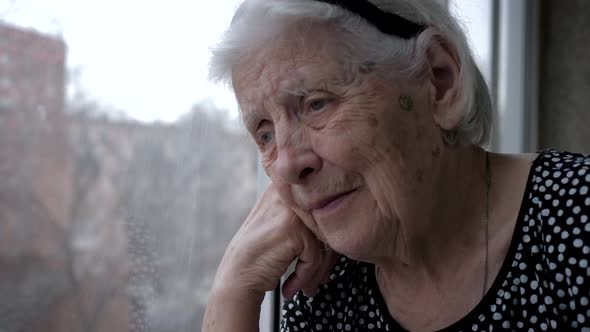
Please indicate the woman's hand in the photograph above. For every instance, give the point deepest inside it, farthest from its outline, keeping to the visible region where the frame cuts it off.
(259, 254)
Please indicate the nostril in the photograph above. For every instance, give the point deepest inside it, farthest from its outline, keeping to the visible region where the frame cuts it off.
(305, 172)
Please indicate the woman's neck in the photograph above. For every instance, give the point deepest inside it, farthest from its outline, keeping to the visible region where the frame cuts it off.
(448, 251)
(441, 228)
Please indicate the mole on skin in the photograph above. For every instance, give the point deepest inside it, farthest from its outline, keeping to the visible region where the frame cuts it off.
(373, 122)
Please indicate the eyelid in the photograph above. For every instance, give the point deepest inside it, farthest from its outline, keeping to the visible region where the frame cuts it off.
(258, 133)
(324, 101)
(317, 93)
(257, 124)
(250, 121)
(326, 98)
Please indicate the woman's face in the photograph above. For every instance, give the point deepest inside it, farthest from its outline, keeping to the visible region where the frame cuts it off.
(351, 153)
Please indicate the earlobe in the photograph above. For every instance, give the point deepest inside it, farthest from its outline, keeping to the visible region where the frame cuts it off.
(445, 80)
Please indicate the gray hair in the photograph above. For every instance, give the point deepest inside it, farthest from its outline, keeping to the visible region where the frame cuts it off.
(258, 21)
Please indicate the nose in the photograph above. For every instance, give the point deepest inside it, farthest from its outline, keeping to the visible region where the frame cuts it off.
(296, 161)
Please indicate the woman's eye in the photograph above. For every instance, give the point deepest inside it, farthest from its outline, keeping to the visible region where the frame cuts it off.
(265, 137)
(317, 105)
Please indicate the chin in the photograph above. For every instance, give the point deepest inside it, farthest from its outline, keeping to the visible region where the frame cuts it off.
(356, 246)
(360, 239)
(356, 229)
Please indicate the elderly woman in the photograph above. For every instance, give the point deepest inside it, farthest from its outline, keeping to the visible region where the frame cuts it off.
(369, 117)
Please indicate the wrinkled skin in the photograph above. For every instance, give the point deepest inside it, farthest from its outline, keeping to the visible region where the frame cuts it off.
(335, 132)
(323, 129)
(271, 224)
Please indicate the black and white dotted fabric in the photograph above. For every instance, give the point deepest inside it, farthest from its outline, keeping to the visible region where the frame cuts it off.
(543, 285)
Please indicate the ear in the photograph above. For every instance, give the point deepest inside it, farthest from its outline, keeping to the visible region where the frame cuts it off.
(444, 70)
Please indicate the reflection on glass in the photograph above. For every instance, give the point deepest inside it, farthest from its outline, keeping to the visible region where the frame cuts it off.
(476, 17)
(111, 218)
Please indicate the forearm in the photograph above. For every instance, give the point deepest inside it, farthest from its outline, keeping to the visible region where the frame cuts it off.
(232, 312)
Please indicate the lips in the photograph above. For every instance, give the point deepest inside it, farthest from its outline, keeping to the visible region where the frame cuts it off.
(330, 200)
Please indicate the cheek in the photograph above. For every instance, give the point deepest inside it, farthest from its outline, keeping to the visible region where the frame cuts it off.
(267, 159)
(342, 139)
(390, 150)
(287, 197)
(284, 191)
(359, 139)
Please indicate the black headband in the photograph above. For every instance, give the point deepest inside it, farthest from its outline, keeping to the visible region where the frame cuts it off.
(388, 23)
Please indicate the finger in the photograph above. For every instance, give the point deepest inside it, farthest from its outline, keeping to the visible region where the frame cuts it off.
(331, 257)
(308, 281)
(328, 260)
(307, 268)
(303, 278)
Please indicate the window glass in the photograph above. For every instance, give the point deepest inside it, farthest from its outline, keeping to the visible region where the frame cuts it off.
(123, 172)
(476, 18)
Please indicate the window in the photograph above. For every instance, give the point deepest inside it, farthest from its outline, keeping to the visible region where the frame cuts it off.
(5, 83)
(6, 102)
(504, 35)
(477, 19)
(117, 203)
(4, 59)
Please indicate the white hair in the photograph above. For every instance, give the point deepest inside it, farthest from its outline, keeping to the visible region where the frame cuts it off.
(258, 21)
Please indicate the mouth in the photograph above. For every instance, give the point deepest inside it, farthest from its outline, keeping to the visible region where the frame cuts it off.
(331, 203)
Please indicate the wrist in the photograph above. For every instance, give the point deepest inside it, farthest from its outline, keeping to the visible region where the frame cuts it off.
(228, 294)
(232, 310)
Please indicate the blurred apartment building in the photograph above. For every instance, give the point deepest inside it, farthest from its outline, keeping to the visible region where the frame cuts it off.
(35, 174)
(82, 196)
(39, 285)
(32, 69)
(33, 130)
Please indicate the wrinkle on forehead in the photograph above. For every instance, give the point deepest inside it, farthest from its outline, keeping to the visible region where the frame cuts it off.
(292, 65)
(276, 81)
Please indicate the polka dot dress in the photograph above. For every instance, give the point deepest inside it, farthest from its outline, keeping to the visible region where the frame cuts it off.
(543, 285)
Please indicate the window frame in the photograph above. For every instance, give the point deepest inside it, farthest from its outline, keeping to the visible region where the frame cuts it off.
(516, 72)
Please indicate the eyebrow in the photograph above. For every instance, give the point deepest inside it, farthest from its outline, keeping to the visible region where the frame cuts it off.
(299, 92)
(307, 87)
(251, 117)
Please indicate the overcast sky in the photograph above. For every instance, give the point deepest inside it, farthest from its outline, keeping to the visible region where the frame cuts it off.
(149, 58)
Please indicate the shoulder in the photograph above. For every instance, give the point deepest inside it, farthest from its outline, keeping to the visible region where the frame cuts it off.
(559, 199)
(556, 232)
(563, 165)
(561, 182)
(556, 200)
(558, 189)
